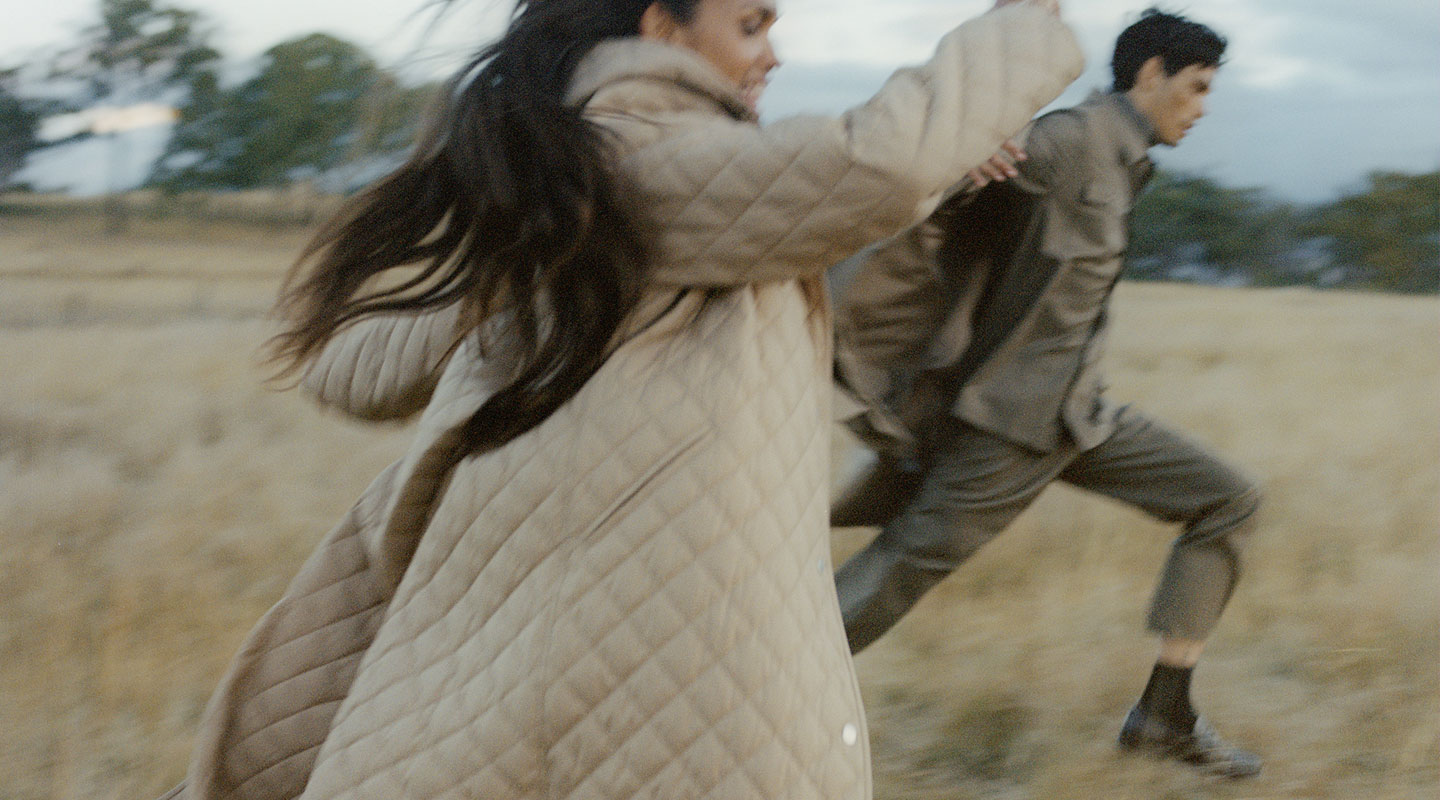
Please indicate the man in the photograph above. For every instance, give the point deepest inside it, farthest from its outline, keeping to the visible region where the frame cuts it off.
(983, 329)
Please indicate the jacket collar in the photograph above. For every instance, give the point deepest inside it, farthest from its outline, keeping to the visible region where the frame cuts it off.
(633, 69)
(1130, 130)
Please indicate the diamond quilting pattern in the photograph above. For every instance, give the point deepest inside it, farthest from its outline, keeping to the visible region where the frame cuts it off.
(626, 612)
(624, 602)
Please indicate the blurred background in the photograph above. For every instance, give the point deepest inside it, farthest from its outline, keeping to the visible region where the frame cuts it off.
(162, 164)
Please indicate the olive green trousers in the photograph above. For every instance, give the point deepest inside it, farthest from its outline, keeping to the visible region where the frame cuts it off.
(973, 484)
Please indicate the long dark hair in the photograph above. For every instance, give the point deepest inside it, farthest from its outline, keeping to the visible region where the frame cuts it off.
(508, 202)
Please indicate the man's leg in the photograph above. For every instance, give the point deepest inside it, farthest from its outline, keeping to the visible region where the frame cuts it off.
(974, 485)
(1149, 466)
(878, 492)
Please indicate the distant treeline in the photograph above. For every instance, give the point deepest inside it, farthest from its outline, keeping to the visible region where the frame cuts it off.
(1383, 236)
(322, 113)
(314, 108)
(295, 207)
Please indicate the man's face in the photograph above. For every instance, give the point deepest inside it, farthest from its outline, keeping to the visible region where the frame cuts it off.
(1172, 102)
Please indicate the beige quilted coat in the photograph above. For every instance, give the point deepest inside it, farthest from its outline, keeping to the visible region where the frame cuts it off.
(635, 598)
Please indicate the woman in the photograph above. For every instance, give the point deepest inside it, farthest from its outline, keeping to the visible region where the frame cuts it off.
(602, 569)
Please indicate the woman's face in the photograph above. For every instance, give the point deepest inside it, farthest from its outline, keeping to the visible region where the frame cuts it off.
(733, 35)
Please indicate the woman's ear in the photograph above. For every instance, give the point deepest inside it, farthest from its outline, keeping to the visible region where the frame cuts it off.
(657, 23)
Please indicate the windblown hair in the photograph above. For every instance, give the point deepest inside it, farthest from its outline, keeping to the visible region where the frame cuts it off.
(508, 202)
(1178, 41)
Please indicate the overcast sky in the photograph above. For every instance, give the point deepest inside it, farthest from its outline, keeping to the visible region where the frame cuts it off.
(1315, 93)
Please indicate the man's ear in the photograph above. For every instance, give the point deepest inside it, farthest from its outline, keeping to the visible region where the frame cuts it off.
(1150, 74)
(657, 23)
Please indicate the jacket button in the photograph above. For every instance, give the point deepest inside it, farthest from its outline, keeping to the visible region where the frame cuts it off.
(849, 734)
(820, 565)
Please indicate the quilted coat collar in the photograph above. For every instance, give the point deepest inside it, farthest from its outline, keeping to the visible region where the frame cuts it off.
(638, 74)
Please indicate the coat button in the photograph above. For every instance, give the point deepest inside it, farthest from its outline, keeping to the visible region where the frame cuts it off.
(850, 734)
(820, 565)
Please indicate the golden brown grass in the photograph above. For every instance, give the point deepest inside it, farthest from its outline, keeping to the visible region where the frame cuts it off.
(156, 498)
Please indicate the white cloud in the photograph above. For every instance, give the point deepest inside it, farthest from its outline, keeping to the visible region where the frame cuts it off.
(871, 33)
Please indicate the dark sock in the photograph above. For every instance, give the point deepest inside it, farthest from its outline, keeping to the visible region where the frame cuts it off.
(1168, 696)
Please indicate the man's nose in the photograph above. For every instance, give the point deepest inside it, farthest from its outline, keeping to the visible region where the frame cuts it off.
(770, 59)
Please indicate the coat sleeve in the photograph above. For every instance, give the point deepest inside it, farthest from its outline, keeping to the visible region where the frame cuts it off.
(734, 203)
(383, 367)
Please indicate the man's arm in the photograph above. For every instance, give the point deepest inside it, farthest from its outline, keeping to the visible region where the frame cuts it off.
(1052, 144)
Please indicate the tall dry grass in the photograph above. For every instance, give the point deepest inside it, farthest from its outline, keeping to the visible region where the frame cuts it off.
(155, 498)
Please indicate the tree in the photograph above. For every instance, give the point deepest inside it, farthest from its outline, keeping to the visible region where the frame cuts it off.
(1391, 229)
(1191, 222)
(19, 126)
(317, 104)
(138, 51)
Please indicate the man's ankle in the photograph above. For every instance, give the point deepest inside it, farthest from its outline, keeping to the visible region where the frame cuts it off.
(1167, 696)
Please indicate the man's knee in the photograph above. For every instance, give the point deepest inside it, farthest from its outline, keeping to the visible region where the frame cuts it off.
(1244, 495)
(1244, 504)
(1233, 518)
(938, 544)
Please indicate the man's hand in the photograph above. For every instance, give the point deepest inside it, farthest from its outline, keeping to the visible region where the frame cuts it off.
(1001, 166)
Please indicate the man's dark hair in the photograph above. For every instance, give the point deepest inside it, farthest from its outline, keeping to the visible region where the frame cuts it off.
(1176, 40)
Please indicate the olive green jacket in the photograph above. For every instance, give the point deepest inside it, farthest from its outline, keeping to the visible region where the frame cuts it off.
(996, 306)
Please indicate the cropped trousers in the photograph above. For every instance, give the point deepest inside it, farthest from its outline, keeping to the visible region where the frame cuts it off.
(974, 484)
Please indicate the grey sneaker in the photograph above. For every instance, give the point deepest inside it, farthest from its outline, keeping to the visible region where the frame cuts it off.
(1200, 746)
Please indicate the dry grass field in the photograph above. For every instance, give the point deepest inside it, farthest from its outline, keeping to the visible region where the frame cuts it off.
(155, 498)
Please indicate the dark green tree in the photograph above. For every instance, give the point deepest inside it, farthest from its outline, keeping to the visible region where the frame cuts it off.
(1390, 229)
(1237, 233)
(19, 126)
(137, 51)
(317, 105)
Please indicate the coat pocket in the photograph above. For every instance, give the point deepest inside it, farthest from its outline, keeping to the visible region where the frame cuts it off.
(1090, 226)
